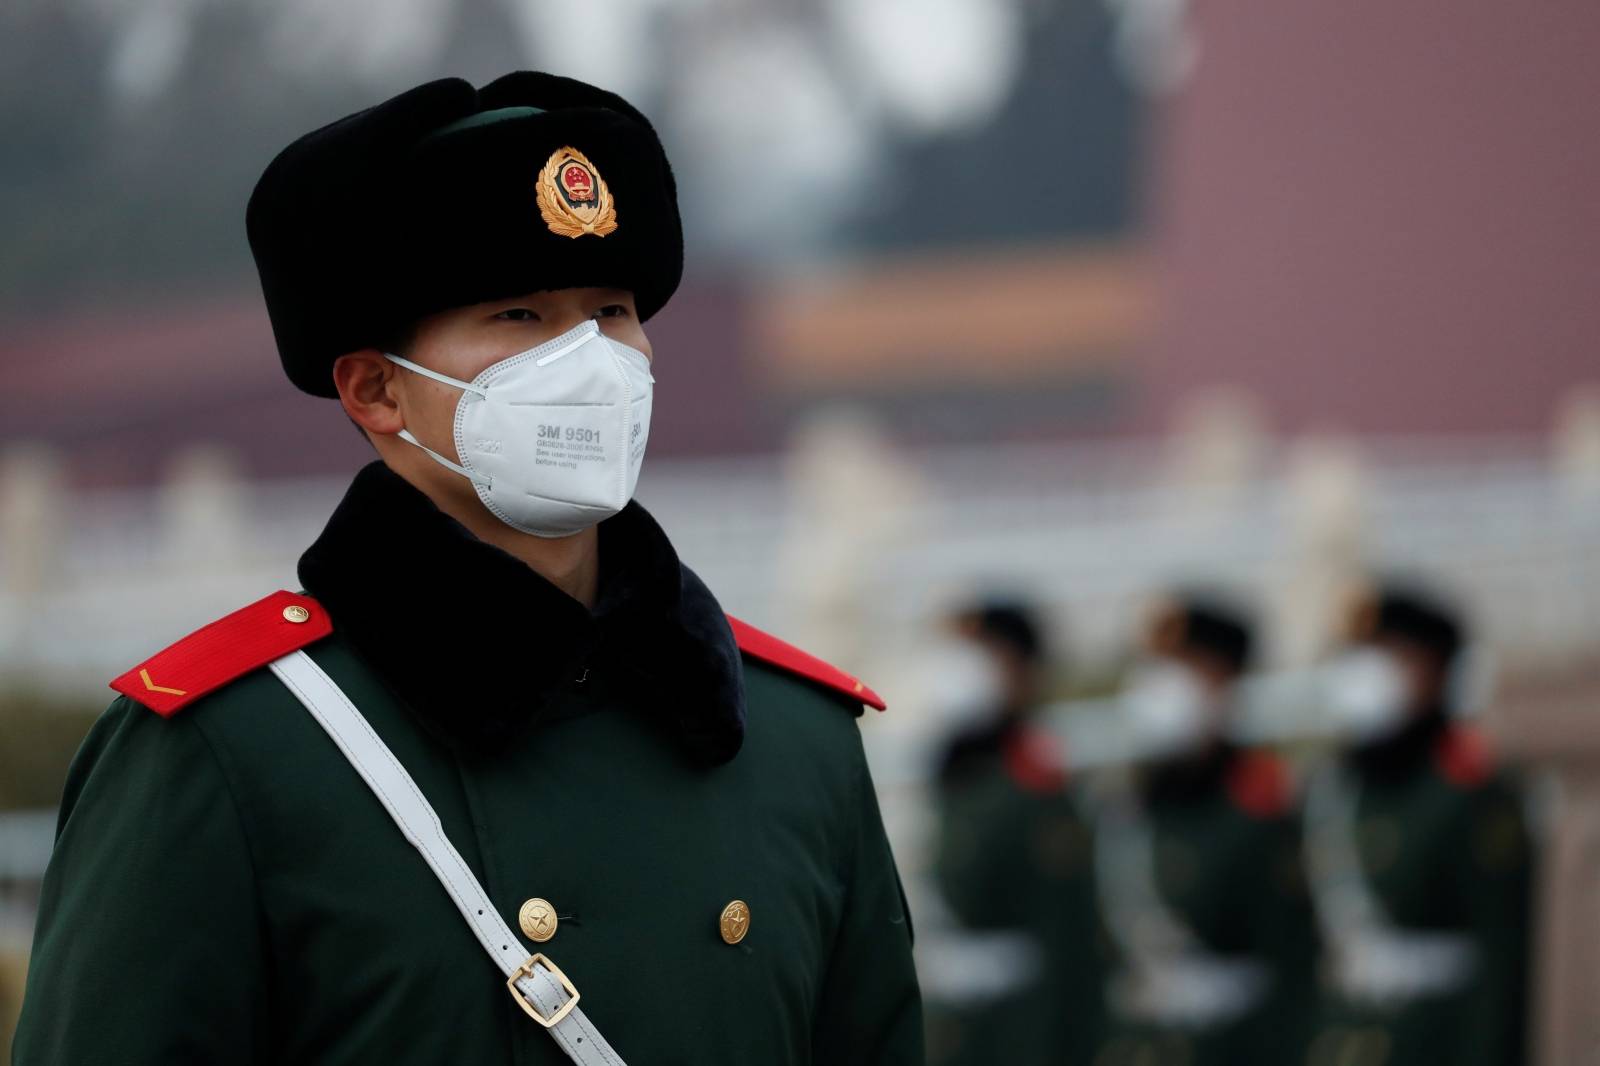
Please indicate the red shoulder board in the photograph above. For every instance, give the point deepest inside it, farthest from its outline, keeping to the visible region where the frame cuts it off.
(769, 649)
(1463, 757)
(1259, 785)
(1035, 761)
(228, 648)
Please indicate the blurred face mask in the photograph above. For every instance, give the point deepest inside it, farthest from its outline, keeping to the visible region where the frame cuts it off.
(552, 438)
(1168, 708)
(963, 684)
(1367, 694)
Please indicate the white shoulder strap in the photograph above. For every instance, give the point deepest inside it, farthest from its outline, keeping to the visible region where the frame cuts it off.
(537, 984)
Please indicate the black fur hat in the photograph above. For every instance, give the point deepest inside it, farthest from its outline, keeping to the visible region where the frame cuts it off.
(1401, 611)
(1005, 622)
(1198, 621)
(447, 195)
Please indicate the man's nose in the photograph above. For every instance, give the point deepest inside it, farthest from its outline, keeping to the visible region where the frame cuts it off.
(562, 321)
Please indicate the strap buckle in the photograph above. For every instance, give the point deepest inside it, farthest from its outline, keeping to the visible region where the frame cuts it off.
(527, 1005)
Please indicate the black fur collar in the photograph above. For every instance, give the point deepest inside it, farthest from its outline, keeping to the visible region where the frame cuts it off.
(419, 597)
(1189, 779)
(1395, 758)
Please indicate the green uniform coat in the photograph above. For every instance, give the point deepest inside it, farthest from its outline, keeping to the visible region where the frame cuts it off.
(225, 889)
(1226, 842)
(1443, 845)
(1015, 856)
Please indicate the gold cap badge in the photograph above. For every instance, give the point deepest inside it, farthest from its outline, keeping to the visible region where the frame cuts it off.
(573, 197)
(735, 921)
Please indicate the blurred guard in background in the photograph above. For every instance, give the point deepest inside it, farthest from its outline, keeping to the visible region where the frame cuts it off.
(659, 810)
(1004, 655)
(1204, 904)
(1419, 857)
(1018, 981)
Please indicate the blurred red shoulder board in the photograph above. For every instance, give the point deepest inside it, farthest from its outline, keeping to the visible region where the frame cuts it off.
(1259, 785)
(1036, 761)
(224, 650)
(774, 652)
(1463, 757)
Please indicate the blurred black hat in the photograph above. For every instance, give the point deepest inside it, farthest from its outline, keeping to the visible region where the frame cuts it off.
(1200, 622)
(1005, 622)
(1404, 612)
(446, 196)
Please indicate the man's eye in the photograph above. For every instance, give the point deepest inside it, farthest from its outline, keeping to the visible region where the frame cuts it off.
(519, 314)
(612, 311)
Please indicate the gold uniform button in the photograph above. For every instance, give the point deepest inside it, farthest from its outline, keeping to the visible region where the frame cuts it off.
(735, 921)
(538, 920)
(296, 613)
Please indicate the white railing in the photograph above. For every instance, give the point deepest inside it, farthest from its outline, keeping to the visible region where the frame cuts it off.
(857, 560)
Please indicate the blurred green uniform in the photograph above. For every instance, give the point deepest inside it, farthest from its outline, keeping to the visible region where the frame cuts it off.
(1209, 923)
(1422, 868)
(1014, 866)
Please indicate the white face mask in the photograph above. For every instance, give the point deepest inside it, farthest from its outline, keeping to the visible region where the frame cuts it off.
(963, 684)
(1367, 694)
(1168, 708)
(552, 438)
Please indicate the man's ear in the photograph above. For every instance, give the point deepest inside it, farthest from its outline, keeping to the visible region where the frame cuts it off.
(364, 380)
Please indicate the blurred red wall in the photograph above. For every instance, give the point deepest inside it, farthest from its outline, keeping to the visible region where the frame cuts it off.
(1382, 217)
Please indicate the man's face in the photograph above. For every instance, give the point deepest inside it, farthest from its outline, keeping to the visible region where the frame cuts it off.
(1018, 677)
(1216, 675)
(461, 343)
(1423, 674)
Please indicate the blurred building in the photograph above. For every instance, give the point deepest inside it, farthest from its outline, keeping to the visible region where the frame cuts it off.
(1381, 216)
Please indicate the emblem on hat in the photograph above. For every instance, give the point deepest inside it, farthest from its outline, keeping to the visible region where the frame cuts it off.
(573, 197)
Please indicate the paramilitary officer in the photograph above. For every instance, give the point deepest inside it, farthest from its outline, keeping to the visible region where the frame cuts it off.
(504, 772)
(1019, 981)
(1419, 855)
(1209, 925)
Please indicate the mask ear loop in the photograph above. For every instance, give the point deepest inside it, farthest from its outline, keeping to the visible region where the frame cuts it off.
(406, 434)
(470, 475)
(443, 379)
